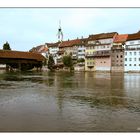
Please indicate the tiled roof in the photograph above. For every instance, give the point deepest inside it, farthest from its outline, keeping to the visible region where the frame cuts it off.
(36, 49)
(21, 55)
(70, 43)
(134, 36)
(43, 50)
(52, 44)
(102, 36)
(120, 38)
(39, 49)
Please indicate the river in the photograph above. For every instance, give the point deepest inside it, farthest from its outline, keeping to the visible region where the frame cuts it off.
(69, 102)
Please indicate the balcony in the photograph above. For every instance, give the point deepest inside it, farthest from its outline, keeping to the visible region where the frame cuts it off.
(102, 53)
(89, 55)
(74, 57)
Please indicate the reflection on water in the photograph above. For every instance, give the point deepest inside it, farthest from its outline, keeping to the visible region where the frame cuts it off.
(64, 101)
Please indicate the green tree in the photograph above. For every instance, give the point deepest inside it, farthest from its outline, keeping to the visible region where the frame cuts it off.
(67, 61)
(51, 63)
(6, 46)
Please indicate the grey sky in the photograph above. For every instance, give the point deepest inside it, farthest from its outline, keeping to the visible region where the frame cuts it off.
(25, 28)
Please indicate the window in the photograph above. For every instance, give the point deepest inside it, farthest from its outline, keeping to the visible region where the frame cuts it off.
(139, 59)
(135, 53)
(139, 64)
(125, 53)
(130, 59)
(130, 53)
(125, 59)
(125, 64)
(131, 42)
(135, 59)
(117, 56)
(129, 64)
(121, 56)
(104, 62)
(134, 64)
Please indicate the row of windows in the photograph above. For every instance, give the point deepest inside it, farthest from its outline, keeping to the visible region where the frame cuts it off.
(93, 62)
(102, 62)
(90, 58)
(132, 42)
(121, 56)
(117, 65)
(117, 61)
(90, 63)
(90, 53)
(132, 65)
(130, 59)
(130, 53)
(97, 47)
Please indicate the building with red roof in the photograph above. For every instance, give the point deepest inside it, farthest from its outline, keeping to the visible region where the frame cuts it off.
(117, 53)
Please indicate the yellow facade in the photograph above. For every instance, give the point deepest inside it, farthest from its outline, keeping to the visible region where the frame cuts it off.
(89, 60)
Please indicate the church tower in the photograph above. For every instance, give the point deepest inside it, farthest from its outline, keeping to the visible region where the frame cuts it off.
(60, 33)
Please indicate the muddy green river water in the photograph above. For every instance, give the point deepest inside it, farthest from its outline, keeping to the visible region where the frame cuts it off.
(69, 102)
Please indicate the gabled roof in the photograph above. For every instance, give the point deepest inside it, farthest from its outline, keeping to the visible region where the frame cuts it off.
(102, 36)
(134, 36)
(70, 43)
(120, 38)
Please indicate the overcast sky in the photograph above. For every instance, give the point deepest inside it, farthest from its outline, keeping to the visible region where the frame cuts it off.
(25, 28)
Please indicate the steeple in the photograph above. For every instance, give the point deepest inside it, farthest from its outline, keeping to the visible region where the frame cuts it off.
(60, 33)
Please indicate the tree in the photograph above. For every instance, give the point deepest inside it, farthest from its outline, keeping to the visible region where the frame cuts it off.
(51, 63)
(6, 46)
(67, 61)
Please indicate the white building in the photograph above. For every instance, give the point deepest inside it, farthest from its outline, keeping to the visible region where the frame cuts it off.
(81, 51)
(53, 50)
(81, 48)
(132, 53)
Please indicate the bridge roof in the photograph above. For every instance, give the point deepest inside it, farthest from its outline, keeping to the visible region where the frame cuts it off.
(21, 55)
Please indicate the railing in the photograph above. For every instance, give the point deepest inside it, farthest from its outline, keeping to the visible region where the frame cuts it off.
(99, 53)
(89, 55)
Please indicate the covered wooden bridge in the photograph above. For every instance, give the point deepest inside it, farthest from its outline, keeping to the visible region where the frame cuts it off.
(21, 60)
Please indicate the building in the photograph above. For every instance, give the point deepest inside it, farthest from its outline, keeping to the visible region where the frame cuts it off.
(75, 48)
(132, 53)
(81, 48)
(102, 50)
(117, 53)
(42, 49)
(54, 50)
(89, 51)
